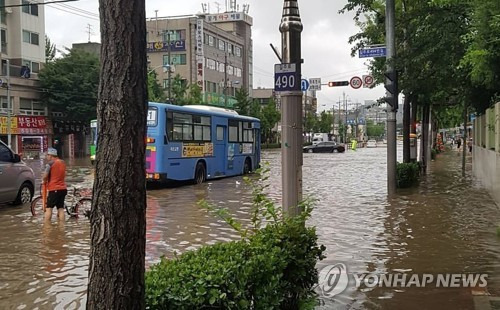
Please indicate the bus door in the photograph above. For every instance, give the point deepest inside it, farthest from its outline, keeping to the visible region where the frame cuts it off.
(220, 151)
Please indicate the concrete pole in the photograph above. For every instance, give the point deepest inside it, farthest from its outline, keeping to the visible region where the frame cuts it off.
(169, 67)
(9, 106)
(225, 79)
(391, 113)
(291, 111)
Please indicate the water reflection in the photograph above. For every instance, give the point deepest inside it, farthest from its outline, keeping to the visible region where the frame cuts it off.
(445, 225)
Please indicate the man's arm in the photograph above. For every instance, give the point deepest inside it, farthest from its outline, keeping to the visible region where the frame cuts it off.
(46, 172)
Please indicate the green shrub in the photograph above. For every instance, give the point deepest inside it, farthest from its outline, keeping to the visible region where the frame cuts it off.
(273, 266)
(434, 153)
(407, 174)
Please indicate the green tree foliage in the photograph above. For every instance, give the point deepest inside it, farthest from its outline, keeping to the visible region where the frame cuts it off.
(311, 122)
(70, 84)
(50, 50)
(325, 122)
(374, 130)
(269, 117)
(155, 90)
(179, 90)
(243, 102)
(194, 96)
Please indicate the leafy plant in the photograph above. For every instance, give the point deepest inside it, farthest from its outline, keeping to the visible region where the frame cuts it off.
(271, 267)
(407, 174)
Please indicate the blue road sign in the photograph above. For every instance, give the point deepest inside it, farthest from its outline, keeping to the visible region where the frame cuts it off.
(285, 77)
(373, 52)
(304, 85)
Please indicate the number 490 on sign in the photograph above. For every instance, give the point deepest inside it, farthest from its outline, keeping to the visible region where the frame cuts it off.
(285, 81)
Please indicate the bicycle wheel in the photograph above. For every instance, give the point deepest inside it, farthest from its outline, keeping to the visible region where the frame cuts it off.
(82, 207)
(37, 206)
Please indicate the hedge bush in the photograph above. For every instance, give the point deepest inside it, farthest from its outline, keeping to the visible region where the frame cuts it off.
(273, 266)
(407, 174)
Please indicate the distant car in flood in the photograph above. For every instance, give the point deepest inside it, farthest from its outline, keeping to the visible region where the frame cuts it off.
(371, 143)
(325, 147)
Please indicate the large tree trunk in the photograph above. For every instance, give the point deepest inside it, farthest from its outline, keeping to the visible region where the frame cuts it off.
(406, 129)
(414, 109)
(465, 147)
(425, 137)
(118, 217)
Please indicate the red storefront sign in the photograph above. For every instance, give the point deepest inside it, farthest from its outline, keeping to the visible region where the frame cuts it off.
(33, 125)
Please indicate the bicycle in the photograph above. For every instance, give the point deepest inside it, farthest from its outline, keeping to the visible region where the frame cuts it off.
(79, 203)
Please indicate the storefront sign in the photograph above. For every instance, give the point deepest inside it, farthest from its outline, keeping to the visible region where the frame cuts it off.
(229, 17)
(21, 125)
(3, 125)
(197, 149)
(69, 127)
(175, 46)
(200, 59)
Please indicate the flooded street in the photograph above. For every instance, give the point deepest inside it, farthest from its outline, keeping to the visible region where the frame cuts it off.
(446, 225)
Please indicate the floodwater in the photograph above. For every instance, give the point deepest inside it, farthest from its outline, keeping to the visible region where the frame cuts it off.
(446, 225)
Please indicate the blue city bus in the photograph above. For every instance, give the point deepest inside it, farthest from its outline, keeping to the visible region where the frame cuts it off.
(199, 143)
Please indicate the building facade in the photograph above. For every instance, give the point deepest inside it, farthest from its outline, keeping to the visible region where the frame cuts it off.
(22, 36)
(213, 51)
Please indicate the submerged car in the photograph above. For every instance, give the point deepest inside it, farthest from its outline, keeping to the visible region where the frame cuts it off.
(17, 180)
(325, 147)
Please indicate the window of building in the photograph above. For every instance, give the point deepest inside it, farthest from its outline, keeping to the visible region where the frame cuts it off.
(188, 127)
(3, 38)
(237, 51)
(3, 103)
(30, 37)
(211, 41)
(222, 67)
(177, 59)
(2, 13)
(230, 70)
(211, 64)
(238, 72)
(33, 65)
(175, 35)
(222, 45)
(31, 107)
(229, 48)
(30, 8)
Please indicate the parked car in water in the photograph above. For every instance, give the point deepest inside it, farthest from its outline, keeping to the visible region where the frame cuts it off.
(371, 143)
(324, 147)
(17, 180)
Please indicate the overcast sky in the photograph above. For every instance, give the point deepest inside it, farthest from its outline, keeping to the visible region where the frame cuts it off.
(325, 47)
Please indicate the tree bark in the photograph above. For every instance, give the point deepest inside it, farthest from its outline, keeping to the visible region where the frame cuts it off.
(465, 147)
(406, 129)
(425, 137)
(118, 216)
(414, 109)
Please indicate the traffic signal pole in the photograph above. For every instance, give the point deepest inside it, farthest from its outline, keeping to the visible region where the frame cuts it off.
(392, 96)
(291, 111)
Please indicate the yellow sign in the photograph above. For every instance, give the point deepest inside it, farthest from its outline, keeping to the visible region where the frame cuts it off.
(13, 125)
(197, 149)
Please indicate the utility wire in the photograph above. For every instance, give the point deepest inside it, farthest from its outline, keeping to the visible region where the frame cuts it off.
(39, 3)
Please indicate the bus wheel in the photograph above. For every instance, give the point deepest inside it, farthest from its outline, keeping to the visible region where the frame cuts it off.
(199, 176)
(247, 167)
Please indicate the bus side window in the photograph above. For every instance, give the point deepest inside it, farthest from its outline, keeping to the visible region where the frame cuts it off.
(220, 133)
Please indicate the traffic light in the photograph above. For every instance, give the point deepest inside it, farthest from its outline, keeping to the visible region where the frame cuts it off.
(391, 86)
(341, 83)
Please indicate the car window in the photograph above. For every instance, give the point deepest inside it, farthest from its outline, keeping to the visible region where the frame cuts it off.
(321, 144)
(5, 153)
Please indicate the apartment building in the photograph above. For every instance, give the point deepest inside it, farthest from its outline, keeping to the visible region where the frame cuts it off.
(22, 37)
(213, 51)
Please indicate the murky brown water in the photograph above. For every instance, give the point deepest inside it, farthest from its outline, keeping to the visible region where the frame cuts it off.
(447, 225)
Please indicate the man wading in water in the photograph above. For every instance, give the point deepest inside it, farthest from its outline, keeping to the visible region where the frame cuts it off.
(54, 180)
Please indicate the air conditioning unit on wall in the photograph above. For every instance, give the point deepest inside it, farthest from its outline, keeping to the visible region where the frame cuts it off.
(8, 10)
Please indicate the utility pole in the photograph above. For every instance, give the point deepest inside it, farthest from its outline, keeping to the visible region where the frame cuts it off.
(169, 48)
(391, 95)
(9, 119)
(225, 79)
(345, 119)
(291, 111)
